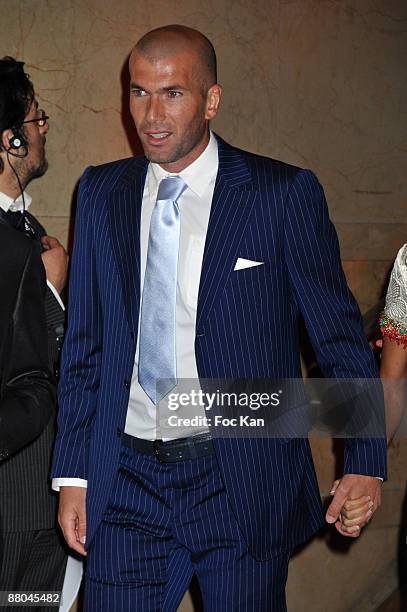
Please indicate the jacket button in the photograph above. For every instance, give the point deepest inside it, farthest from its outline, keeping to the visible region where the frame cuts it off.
(126, 384)
(119, 432)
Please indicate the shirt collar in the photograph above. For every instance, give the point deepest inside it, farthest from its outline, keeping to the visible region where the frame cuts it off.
(14, 204)
(197, 175)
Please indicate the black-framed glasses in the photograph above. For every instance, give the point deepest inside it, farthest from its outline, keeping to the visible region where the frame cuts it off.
(42, 120)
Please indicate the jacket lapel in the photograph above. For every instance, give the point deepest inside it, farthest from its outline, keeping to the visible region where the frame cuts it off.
(233, 199)
(124, 210)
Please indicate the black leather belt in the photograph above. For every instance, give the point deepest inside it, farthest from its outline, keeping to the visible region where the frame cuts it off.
(172, 450)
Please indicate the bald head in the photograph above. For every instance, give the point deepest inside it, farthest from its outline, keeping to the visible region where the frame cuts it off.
(173, 94)
(173, 39)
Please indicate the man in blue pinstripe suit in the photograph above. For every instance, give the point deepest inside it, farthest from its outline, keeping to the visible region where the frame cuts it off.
(256, 252)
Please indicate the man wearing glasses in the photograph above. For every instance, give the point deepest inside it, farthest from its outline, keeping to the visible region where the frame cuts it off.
(33, 557)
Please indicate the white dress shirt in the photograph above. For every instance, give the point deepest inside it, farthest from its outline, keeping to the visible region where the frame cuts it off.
(18, 205)
(195, 206)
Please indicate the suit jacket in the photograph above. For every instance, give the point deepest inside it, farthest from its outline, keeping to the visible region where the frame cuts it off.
(247, 327)
(27, 502)
(27, 389)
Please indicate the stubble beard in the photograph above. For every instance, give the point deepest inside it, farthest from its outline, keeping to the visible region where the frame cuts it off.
(35, 170)
(27, 173)
(40, 169)
(180, 150)
(168, 158)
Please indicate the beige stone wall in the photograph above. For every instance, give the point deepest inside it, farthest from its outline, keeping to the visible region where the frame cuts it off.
(318, 83)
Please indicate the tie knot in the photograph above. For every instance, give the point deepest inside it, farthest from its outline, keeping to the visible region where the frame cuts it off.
(171, 188)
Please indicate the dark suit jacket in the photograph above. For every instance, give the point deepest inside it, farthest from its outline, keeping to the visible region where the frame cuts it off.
(27, 389)
(27, 502)
(247, 327)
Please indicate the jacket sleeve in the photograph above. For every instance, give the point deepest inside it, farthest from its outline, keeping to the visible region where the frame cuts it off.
(27, 397)
(82, 350)
(331, 314)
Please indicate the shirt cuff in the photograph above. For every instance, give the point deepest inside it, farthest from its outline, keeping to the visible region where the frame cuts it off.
(57, 483)
(56, 294)
(379, 478)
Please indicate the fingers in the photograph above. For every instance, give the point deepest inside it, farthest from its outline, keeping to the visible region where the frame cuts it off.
(356, 511)
(72, 517)
(359, 518)
(335, 507)
(356, 497)
(351, 532)
(81, 529)
(50, 242)
(355, 514)
(353, 504)
(69, 526)
(55, 260)
(335, 486)
(350, 509)
(354, 526)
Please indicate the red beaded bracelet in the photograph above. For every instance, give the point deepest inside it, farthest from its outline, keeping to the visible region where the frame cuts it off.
(393, 329)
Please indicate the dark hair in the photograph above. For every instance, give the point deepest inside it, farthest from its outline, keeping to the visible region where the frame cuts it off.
(16, 93)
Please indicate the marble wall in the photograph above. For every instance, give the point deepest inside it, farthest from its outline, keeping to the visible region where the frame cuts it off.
(318, 83)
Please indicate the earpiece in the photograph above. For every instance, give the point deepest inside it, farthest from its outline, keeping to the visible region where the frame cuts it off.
(17, 140)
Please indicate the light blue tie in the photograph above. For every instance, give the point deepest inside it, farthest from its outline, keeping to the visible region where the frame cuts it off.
(157, 357)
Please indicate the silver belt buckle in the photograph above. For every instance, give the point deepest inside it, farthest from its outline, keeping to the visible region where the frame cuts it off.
(156, 449)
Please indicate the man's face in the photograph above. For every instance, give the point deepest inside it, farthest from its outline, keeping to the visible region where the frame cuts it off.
(170, 108)
(35, 163)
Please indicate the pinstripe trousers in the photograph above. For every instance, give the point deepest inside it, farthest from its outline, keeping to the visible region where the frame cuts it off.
(163, 523)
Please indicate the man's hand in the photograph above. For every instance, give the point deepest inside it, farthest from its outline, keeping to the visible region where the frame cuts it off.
(72, 516)
(356, 497)
(55, 260)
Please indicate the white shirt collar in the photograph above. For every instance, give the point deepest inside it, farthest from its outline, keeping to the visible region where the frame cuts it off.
(197, 175)
(14, 204)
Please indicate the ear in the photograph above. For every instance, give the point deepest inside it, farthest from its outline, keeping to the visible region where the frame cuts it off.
(5, 139)
(212, 101)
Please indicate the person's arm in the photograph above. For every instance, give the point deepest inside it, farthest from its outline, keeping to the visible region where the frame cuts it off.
(27, 397)
(82, 350)
(393, 325)
(80, 374)
(393, 372)
(334, 325)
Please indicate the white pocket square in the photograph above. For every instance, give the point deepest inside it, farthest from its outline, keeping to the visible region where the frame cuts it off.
(242, 263)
